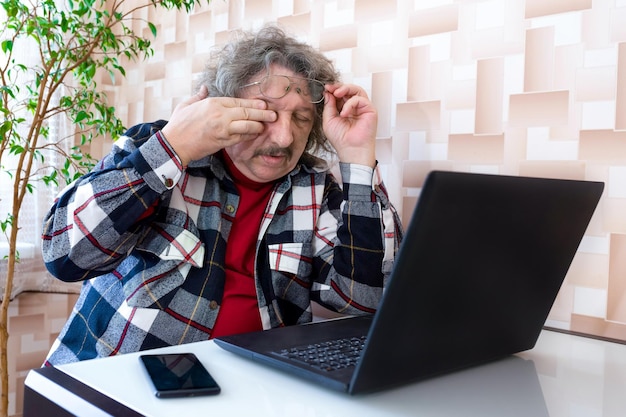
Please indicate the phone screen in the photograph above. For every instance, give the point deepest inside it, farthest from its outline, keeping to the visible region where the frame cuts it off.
(179, 375)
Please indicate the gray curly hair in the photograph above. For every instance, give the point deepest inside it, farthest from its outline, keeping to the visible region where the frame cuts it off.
(232, 67)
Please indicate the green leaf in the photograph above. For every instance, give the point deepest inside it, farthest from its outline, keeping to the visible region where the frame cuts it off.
(5, 127)
(16, 149)
(82, 115)
(50, 179)
(7, 45)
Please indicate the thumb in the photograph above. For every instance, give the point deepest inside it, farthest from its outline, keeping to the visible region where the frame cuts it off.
(330, 107)
(201, 94)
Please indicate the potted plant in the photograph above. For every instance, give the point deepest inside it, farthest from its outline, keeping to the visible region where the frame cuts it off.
(71, 45)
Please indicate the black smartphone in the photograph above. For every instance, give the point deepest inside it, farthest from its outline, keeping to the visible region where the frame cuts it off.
(178, 375)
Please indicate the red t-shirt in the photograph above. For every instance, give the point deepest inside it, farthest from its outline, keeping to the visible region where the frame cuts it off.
(239, 311)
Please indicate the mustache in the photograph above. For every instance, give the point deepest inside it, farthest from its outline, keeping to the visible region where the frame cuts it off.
(274, 151)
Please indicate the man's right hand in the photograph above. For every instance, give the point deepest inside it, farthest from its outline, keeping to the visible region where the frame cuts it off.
(202, 125)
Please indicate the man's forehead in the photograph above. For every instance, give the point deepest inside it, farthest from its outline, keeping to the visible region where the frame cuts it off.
(276, 69)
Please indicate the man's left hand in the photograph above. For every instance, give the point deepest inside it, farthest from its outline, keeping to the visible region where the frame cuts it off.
(350, 122)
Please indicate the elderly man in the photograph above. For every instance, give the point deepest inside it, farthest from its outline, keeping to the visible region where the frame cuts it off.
(226, 218)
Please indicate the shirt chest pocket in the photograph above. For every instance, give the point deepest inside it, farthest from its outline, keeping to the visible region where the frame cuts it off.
(291, 258)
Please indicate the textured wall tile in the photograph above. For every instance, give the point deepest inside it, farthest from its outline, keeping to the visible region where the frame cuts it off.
(436, 20)
(561, 312)
(536, 8)
(618, 28)
(539, 109)
(299, 24)
(613, 212)
(620, 102)
(374, 10)
(539, 59)
(154, 71)
(419, 74)
(407, 205)
(258, 9)
(381, 96)
(571, 170)
(339, 38)
(176, 51)
(31, 315)
(616, 307)
(418, 116)
(593, 84)
(384, 150)
(567, 60)
(462, 95)
(301, 6)
(602, 146)
(589, 270)
(415, 172)
(480, 149)
(490, 77)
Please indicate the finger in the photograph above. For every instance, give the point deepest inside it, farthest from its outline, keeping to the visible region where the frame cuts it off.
(245, 128)
(332, 87)
(252, 114)
(355, 106)
(235, 102)
(348, 90)
(330, 107)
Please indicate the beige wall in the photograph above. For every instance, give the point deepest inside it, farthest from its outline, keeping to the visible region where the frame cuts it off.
(521, 87)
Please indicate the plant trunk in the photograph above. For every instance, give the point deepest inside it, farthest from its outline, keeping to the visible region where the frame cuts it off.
(4, 360)
(4, 334)
(4, 316)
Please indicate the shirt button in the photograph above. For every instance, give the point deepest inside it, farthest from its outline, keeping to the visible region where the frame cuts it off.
(213, 305)
(230, 209)
(169, 183)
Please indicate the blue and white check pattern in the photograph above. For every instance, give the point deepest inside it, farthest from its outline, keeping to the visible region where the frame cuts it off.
(157, 279)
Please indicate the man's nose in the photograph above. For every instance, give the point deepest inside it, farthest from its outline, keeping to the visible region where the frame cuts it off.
(280, 131)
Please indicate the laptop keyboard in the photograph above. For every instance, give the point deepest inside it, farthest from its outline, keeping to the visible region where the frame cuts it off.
(327, 356)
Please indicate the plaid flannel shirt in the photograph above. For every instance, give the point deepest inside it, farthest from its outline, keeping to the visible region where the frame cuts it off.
(149, 237)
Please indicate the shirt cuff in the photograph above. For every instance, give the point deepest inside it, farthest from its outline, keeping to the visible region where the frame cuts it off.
(358, 181)
(164, 166)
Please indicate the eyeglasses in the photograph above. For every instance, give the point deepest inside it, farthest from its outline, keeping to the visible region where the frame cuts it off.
(277, 86)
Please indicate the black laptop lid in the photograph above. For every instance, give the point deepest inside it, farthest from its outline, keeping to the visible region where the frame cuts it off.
(482, 262)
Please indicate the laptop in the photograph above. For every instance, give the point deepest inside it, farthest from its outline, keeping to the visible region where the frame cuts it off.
(479, 268)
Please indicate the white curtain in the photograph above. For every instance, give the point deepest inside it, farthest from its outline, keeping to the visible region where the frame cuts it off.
(30, 274)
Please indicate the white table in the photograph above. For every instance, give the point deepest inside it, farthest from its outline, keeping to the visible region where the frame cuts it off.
(564, 375)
